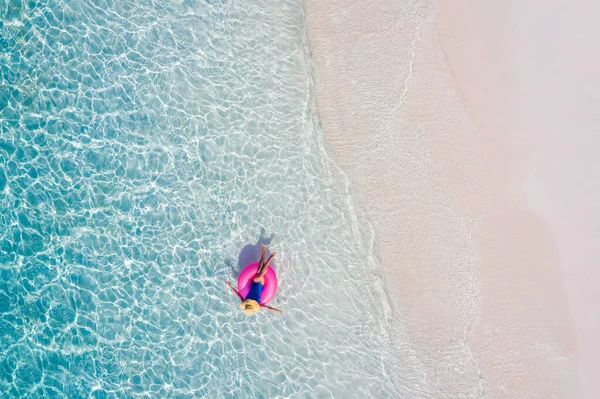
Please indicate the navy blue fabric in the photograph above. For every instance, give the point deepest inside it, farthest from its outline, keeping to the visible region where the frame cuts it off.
(255, 291)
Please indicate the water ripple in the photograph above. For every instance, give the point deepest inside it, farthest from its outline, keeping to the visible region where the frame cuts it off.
(143, 145)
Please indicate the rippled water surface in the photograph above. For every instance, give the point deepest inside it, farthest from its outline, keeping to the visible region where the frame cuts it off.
(144, 145)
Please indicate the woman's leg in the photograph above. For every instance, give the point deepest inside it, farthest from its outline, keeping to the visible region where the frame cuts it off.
(265, 267)
(262, 257)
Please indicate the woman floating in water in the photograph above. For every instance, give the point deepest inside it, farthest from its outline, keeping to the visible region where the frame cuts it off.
(252, 301)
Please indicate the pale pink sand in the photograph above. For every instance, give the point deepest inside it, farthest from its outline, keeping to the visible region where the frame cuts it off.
(472, 271)
(530, 73)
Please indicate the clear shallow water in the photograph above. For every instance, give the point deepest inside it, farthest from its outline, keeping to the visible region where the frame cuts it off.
(144, 145)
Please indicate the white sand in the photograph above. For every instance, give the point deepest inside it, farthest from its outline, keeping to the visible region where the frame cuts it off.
(540, 61)
(446, 164)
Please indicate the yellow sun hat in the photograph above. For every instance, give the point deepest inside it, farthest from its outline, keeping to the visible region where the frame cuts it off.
(250, 306)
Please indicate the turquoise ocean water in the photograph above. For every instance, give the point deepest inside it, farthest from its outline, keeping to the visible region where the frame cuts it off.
(144, 146)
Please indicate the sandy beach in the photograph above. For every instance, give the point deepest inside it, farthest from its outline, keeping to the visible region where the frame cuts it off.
(443, 119)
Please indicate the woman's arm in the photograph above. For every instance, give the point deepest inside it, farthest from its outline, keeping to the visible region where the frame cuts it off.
(270, 308)
(239, 296)
(234, 290)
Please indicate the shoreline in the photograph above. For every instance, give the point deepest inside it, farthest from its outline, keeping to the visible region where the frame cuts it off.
(455, 238)
(417, 181)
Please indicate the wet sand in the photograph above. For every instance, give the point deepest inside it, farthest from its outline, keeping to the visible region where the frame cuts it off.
(414, 111)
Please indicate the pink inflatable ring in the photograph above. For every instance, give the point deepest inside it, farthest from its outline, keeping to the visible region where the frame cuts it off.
(245, 279)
